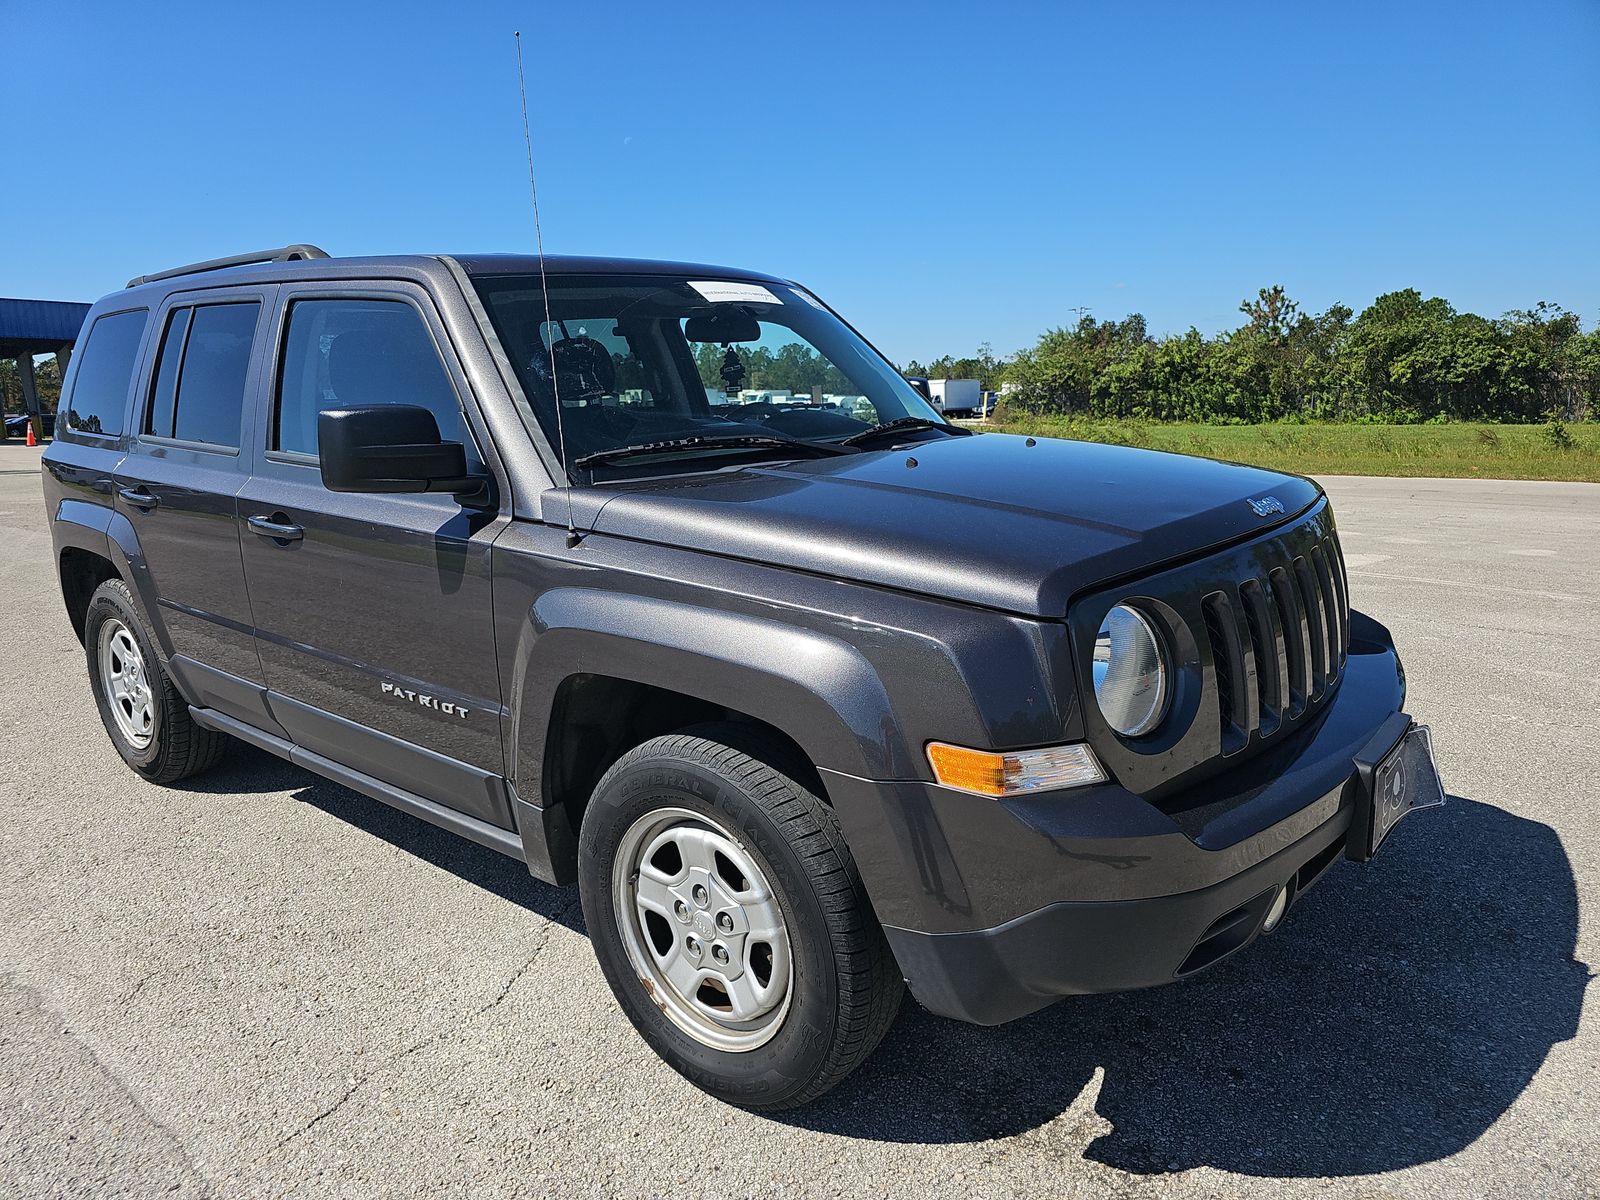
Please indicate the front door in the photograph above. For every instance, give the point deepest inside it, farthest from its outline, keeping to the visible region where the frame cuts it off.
(372, 612)
(178, 483)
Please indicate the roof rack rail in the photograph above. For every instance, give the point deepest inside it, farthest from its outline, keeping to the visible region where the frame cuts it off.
(294, 253)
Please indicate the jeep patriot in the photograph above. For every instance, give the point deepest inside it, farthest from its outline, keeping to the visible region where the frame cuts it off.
(660, 579)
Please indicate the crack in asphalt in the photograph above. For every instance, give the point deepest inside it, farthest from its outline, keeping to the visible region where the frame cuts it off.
(137, 987)
(432, 1039)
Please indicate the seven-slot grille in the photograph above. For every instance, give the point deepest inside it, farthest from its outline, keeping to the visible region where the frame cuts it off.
(1278, 642)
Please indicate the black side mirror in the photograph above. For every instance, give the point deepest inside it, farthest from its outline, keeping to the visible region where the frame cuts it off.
(389, 448)
(920, 386)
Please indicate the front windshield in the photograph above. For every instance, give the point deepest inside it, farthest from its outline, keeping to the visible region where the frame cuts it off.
(640, 360)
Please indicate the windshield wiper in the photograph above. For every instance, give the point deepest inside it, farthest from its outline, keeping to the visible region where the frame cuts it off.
(902, 423)
(709, 441)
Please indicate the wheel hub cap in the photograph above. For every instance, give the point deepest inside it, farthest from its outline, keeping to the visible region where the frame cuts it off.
(125, 683)
(703, 929)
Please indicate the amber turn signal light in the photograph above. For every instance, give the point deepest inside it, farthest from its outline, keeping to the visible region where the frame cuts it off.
(1013, 772)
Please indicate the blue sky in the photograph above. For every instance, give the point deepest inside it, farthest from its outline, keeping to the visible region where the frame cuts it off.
(945, 175)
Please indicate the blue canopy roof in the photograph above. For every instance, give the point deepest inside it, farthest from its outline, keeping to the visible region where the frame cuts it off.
(38, 326)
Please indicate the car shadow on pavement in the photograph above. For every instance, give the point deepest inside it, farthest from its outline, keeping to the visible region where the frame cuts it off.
(1394, 1016)
(248, 770)
(1399, 1010)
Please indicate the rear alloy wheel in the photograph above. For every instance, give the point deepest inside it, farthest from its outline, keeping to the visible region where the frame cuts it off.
(730, 920)
(124, 683)
(148, 721)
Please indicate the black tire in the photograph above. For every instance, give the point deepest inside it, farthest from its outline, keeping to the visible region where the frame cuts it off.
(178, 747)
(846, 988)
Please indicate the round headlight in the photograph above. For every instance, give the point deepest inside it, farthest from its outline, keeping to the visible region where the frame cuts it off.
(1130, 672)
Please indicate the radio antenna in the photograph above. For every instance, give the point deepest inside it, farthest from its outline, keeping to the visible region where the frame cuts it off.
(544, 287)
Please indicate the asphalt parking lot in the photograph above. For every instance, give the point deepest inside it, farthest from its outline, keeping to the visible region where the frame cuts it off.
(260, 983)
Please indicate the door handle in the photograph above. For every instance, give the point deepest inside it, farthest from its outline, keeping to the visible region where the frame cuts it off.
(139, 497)
(283, 531)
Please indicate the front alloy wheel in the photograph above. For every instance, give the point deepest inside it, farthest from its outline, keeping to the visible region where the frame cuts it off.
(729, 918)
(700, 922)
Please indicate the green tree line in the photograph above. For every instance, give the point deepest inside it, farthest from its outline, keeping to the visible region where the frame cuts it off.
(793, 367)
(1404, 359)
(46, 377)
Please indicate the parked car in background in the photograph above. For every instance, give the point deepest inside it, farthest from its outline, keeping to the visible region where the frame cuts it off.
(16, 424)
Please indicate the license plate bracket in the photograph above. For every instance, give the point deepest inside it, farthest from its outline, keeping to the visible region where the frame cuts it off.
(1396, 776)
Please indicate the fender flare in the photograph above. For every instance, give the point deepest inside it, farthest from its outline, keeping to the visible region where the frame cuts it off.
(819, 690)
(122, 541)
(103, 531)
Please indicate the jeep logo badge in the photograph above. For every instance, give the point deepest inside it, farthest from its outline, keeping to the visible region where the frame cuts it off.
(1265, 506)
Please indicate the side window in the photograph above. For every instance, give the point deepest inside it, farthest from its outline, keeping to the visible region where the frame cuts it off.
(105, 372)
(212, 376)
(351, 353)
(164, 389)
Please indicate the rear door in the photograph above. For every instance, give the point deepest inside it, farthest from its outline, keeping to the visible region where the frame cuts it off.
(373, 615)
(179, 482)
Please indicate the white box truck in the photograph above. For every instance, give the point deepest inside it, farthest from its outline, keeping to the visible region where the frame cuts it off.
(956, 397)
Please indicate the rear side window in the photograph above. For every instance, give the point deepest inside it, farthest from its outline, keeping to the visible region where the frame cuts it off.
(201, 371)
(105, 372)
(164, 391)
(349, 353)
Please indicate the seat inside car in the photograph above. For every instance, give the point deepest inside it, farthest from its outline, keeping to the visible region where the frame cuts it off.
(383, 366)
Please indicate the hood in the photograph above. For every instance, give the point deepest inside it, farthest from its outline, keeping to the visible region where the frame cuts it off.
(988, 520)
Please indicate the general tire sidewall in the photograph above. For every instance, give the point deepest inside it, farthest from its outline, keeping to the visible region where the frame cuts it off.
(108, 602)
(787, 1063)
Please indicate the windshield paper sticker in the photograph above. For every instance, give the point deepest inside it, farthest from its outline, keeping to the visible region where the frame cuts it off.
(720, 291)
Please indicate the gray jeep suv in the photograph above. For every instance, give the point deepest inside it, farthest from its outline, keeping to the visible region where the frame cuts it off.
(660, 579)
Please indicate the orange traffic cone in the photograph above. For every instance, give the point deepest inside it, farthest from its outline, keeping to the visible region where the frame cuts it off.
(32, 440)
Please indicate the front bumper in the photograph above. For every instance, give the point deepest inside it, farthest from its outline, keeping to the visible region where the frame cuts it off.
(997, 908)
